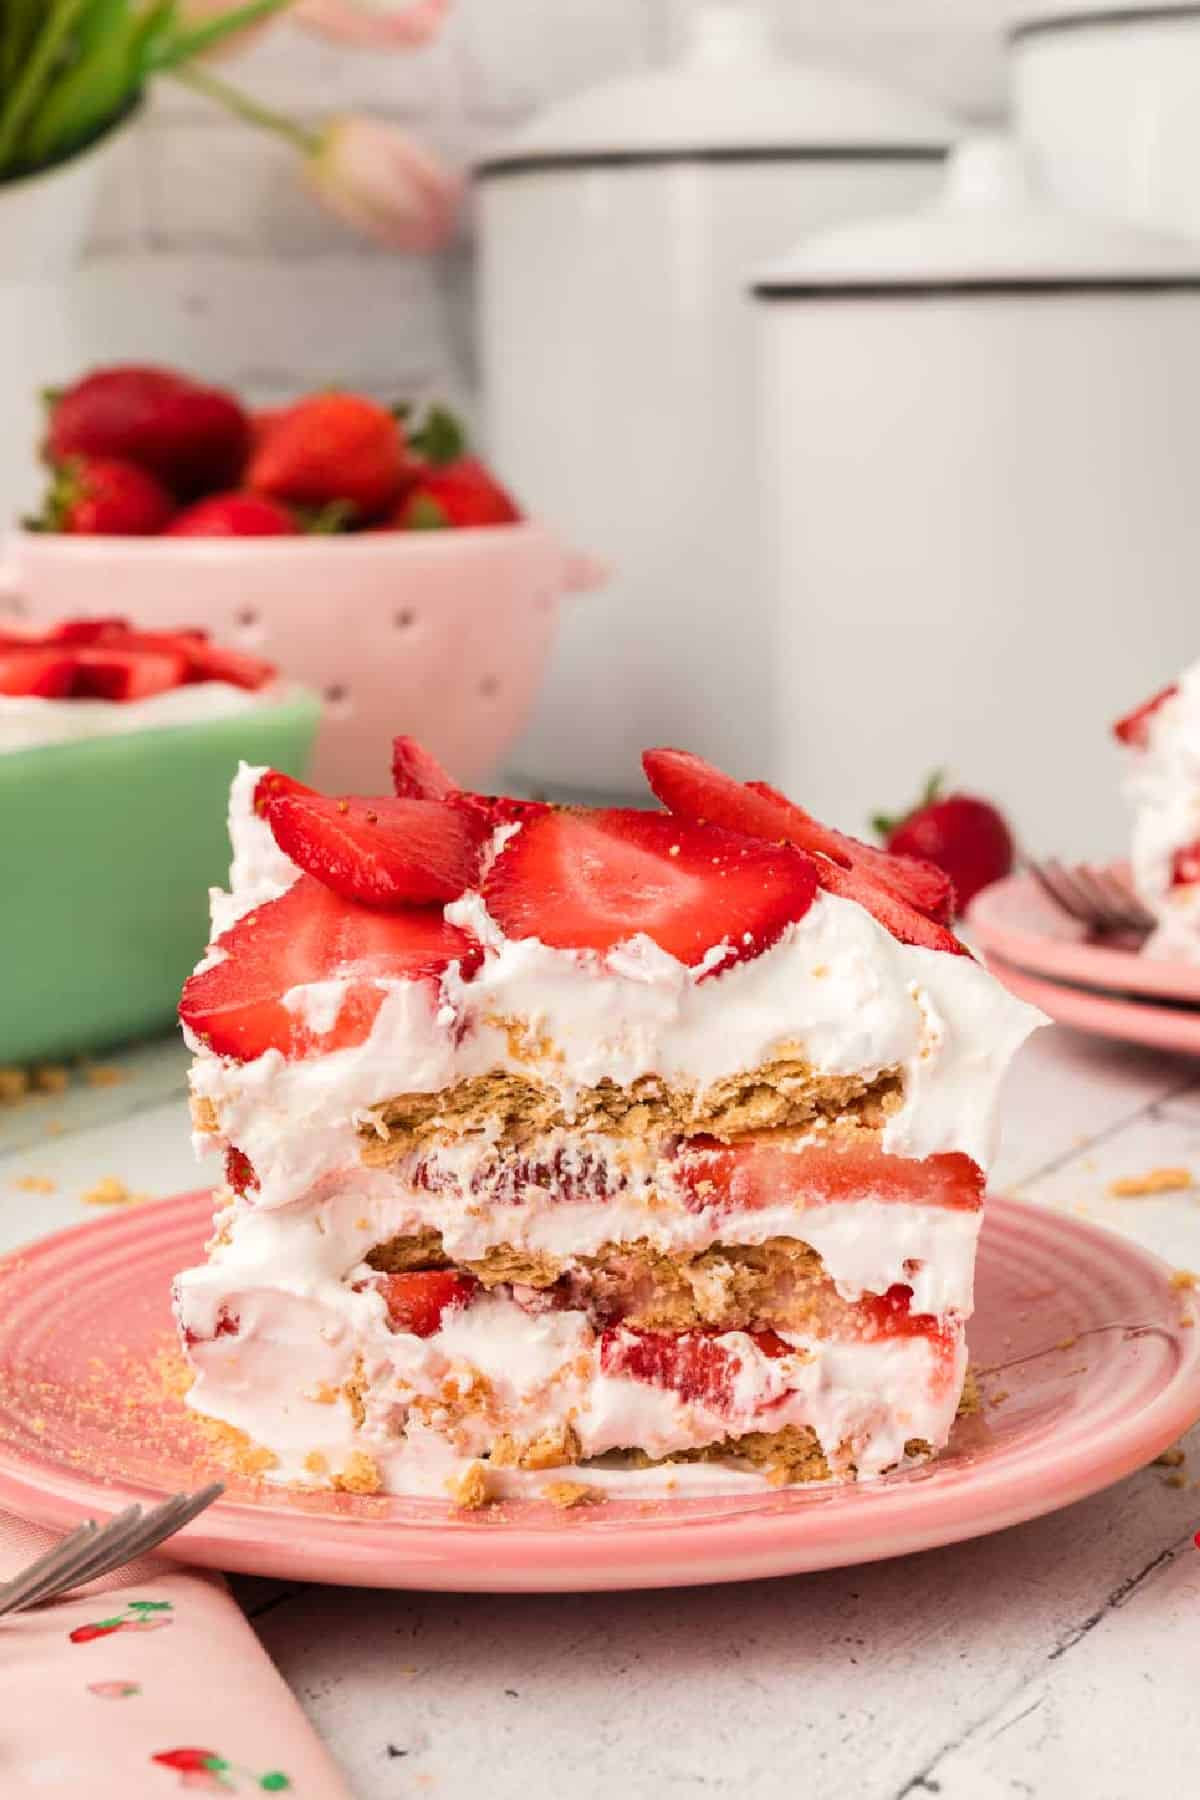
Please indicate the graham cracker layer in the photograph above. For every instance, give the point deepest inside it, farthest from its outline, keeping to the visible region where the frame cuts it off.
(512, 1110)
(780, 1283)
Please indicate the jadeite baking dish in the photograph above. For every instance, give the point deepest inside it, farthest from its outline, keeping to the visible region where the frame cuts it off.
(108, 848)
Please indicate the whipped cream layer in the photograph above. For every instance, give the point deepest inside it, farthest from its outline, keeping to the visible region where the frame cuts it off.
(836, 991)
(29, 723)
(425, 1408)
(1163, 787)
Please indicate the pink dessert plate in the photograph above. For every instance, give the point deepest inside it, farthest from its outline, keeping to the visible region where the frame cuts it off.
(1106, 1015)
(1077, 1330)
(1016, 922)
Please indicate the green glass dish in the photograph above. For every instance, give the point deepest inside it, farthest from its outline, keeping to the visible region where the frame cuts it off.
(108, 848)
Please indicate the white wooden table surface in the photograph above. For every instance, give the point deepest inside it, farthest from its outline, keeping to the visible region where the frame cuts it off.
(1056, 1658)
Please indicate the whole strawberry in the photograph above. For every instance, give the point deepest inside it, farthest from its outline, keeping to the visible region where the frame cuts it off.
(99, 496)
(234, 515)
(327, 448)
(966, 837)
(457, 494)
(192, 438)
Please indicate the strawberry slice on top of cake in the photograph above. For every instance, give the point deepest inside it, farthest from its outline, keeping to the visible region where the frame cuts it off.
(573, 1152)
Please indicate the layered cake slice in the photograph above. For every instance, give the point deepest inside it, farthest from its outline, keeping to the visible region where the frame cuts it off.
(569, 1152)
(1163, 786)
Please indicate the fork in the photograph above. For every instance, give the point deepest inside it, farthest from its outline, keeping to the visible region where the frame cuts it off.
(1095, 897)
(91, 1550)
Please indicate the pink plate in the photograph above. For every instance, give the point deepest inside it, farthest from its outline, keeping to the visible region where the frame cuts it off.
(1015, 921)
(1106, 1015)
(1079, 1327)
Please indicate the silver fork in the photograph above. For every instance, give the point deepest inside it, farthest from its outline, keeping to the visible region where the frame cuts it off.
(1096, 897)
(91, 1550)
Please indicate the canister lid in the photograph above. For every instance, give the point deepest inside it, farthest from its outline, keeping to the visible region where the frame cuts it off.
(728, 97)
(990, 230)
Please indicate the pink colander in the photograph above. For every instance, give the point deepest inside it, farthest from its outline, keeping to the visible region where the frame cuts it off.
(440, 634)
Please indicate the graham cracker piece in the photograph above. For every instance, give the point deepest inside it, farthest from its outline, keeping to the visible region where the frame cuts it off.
(469, 1491)
(1154, 1181)
(565, 1494)
(359, 1476)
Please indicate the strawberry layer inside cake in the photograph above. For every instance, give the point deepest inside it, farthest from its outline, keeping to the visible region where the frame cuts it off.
(583, 1151)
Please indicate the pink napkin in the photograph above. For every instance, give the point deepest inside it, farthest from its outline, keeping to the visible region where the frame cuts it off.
(148, 1682)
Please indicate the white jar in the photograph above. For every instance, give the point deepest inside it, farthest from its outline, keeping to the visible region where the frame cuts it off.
(981, 445)
(618, 233)
(1107, 94)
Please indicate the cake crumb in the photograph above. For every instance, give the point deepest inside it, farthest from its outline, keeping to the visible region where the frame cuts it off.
(324, 1394)
(999, 1397)
(564, 1494)
(51, 1078)
(316, 1463)
(469, 1491)
(1172, 1458)
(1176, 1479)
(14, 1085)
(1184, 1279)
(34, 1184)
(1154, 1181)
(360, 1475)
(1067, 1343)
(102, 1075)
(111, 1191)
(1187, 1322)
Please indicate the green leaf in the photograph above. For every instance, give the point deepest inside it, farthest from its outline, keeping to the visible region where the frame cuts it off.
(87, 95)
(21, 101)
(146, 1606)
(441, 438)
(275, 1781)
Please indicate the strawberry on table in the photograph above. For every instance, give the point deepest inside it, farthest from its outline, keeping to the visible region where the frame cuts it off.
(234, 515)
(967, 837)
(331, 447)
(99, 496)
(311, 934)
(590, 881)
(912, 899)
(380, 852)
(417, 1298)
(193, 438)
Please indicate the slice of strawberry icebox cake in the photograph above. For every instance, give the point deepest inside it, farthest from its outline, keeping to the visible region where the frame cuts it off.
(576, 1152)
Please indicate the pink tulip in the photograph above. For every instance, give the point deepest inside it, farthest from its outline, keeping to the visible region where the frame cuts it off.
(383, 183)
(376, 23)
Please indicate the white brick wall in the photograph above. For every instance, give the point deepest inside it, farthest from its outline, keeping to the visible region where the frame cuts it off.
(206, 252)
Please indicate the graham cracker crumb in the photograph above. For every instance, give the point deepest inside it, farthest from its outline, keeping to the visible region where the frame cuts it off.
(14, 1085)
(1154, 1181)
(565, 1494)
(324, 1394)
(1067, 1343)
(1187, 1322)
(204, 1115)
(316, 1463)
(1185, 1279)
(111, 1191)
(35, 1184)
(238, 1450)
(1172, 1458)
(1176, 1479)
(360, 1475)
(969, 1401)
(469, 1491)
(102, 1075)
(354, 1390)
(51, 1078)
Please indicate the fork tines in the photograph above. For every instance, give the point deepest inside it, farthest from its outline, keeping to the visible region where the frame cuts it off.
(1095, 897)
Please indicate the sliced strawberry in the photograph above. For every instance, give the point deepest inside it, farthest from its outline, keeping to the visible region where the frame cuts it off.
(1185, 865)
(273, 782)
(1134, 728)
(383, 852)
(310, 934)
(590, 881)
(87, 631)
(239, 1171)
(417, 1298)
(895, 915)
(108, 672)
(211, 662)
(695, 789)
(772, 1169)
(417, 774)
(696, 1365)
(28, 670)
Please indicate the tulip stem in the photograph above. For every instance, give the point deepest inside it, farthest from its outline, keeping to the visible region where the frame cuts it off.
(244, 107)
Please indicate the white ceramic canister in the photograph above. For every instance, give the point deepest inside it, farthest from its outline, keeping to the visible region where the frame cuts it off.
(981, 448)
(1107, 94)
(618, 234)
